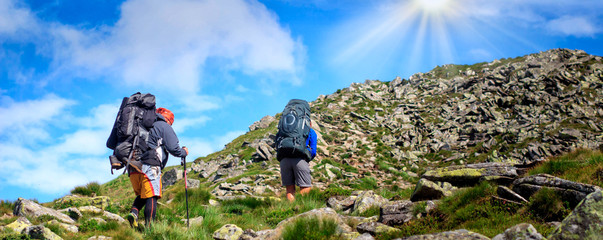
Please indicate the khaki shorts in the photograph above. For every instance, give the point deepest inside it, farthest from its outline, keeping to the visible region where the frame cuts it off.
(148, 183)
(295, 171)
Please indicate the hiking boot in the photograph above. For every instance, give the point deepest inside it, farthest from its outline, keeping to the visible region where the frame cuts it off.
(133, 219)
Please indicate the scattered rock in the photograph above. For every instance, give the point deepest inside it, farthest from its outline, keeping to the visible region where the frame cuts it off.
(461, 234)
(228, 232)
(19, 224)
(520, 231)
(40, 232)
(472, 174)
(170, 177)
(585, 222)
(506, 193)
(263, 123)
(375, 228)
(572, 192)
(366, 200)
(428, 190)
(24, 207)
(396, 213)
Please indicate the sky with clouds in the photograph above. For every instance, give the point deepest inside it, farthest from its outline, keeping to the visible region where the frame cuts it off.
(220, 65)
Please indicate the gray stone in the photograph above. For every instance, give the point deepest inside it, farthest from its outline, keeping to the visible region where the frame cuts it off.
(506, 193)
(461, 234)
(572, 192)
(27, 208)
(228, 232)
(585, 222)
(428, 190)
(520, 231)
(396, 213)
(366, 200)
(40, 232)
(263, 123)
(170, 177)
(375, 228)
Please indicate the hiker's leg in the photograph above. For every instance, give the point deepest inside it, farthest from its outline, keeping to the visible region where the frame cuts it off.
(137, 205)
(303, 176)
(290, 192)
(150, 210)
(304, 190)
(288, 177)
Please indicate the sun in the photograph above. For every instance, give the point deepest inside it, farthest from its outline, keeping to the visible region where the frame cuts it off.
(432, 6)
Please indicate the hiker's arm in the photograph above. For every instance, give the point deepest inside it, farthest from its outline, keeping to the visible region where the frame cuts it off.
(312, 138)
(172, 144)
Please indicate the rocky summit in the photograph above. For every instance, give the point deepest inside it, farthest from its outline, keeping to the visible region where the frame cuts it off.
(396, 160)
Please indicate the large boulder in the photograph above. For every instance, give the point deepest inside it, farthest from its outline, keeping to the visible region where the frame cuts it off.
(428, 190)
(263, 123)
(19, 225)
(396, 213)
(461, 234)
(585, 222)
(228, 232)
(366, 200)
(40, 232)
(73, 200)
(400, 212)
(208, 168)
(572, 192)
(520, 231)
(375, 228)
(472, 174)
(170, 177)
(27, 208)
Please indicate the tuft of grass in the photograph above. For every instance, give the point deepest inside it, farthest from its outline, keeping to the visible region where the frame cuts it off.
(366, 183)
(311, 228)
(581, 165)
(92, 225)
(547, 205)
(6, 206)
(88, 189)
(473, 209)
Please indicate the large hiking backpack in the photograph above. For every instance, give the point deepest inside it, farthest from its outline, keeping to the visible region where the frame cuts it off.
(130, 131)
(293, 131)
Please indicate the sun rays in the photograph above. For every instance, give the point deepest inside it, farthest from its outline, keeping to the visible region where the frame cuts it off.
(415, 34)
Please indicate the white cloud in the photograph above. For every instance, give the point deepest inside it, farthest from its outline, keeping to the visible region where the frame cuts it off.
(165, 44)
(16, 20)
(25, 122)
(181, 124)
(573, 26)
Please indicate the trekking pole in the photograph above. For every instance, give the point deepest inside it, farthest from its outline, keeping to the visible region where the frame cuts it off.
(186, 191)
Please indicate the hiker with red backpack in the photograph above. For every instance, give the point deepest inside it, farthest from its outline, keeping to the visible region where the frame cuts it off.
(142, 142)
(295, 147)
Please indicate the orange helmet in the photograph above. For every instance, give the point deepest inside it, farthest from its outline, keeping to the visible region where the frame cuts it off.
(167, 114)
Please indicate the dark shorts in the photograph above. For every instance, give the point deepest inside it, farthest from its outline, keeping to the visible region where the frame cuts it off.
(295, 171)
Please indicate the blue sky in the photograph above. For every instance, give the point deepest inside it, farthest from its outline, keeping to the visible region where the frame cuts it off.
(220, 65)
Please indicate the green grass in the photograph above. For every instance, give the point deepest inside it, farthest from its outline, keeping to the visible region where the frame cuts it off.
(473, 209)
(311, 228)
(89, 189)
(6, 206)
(582, 165)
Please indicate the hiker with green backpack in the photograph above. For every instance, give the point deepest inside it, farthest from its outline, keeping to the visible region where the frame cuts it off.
(295, 147)
(142, 138)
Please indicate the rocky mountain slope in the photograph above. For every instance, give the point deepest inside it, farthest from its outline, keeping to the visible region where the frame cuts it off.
(389, 150)
(518, 111)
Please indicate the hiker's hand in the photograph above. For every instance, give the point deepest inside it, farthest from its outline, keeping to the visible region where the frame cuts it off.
(185, 149)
